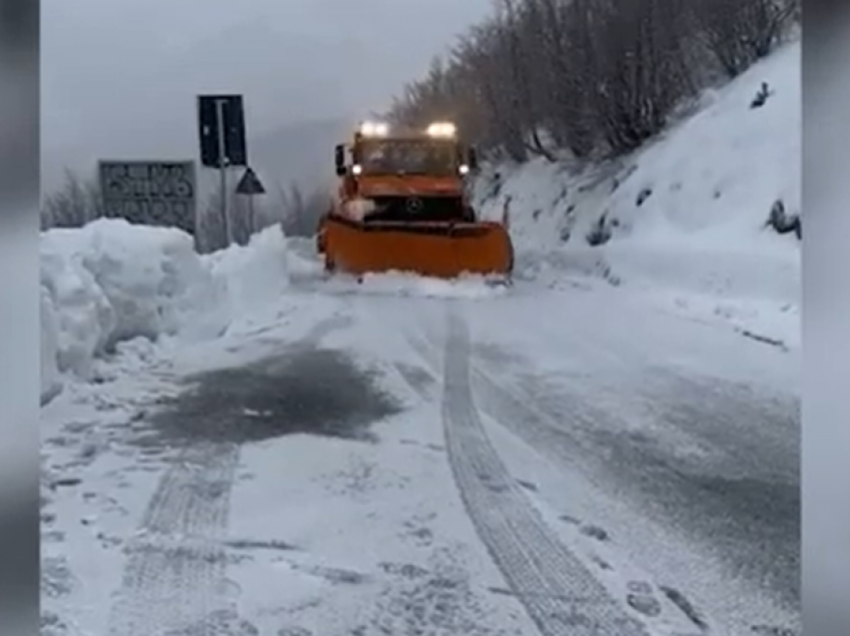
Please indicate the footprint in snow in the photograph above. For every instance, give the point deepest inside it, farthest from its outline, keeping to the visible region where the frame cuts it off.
(405, 570)
(595, 532)
(642, 600)
(66, 482)
(773, 630)
(679, 600)
(527, 485)
(219, 622)
(294, 631)
(646, 605)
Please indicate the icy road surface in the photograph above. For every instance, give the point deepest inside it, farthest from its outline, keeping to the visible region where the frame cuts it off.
(564, 462)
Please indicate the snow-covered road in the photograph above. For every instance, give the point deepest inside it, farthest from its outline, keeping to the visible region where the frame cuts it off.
(578, 460)
(610, 447)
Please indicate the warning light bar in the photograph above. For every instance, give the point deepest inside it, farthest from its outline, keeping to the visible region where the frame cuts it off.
(442, 129)
(374, 129)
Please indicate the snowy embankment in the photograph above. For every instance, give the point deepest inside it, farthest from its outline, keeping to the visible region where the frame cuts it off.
(685, 217)
(110, 283)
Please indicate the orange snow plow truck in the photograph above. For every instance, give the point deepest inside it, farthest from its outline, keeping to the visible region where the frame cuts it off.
(402, 206)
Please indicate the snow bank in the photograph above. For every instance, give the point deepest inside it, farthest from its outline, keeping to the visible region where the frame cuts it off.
(254, 277)
(51, 382)
(302, 263)
(111, 283)
(687, 213)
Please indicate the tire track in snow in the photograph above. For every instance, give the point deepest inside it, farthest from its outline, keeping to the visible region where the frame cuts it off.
(174, 579)
(559, 593)
(541, 428)
(176, 563)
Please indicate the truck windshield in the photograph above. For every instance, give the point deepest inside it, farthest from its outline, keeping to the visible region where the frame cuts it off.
(381, 156)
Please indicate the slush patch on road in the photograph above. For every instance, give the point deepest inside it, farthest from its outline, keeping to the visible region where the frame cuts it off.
(312, 391)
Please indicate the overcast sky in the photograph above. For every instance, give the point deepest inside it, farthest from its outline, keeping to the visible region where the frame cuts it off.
(119, 77)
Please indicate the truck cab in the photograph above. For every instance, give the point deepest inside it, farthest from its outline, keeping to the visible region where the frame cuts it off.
(407, 175)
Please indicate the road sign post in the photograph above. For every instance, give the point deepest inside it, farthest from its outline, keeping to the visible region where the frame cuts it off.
(222, 168)
(161, 193)
(221, 123)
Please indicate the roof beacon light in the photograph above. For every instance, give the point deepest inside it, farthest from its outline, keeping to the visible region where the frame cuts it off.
(442, 129)
(374, 129)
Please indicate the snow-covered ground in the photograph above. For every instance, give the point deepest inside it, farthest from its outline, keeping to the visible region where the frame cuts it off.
(232, 444)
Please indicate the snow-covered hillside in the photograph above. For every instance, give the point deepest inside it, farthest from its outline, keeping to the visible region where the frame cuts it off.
(687, 213)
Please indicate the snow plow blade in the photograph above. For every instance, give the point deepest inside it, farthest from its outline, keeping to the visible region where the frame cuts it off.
(434, 249)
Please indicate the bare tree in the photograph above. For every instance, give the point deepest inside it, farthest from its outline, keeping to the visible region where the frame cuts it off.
(640, 69)
(741, 32)
(293, 213)
(315, 207)
(76, 203)
(301, 214)
(540, 77)
(79, 201)
(245, 220)
(497, 64)
(560, 70)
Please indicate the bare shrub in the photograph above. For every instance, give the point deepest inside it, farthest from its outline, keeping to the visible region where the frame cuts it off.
(74, 204)
(738, 33)
(300, 214)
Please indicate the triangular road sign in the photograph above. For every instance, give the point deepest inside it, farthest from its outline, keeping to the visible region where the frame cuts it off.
(250, 184)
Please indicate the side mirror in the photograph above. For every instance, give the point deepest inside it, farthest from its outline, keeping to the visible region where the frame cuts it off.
(472, 159)
(339, 160)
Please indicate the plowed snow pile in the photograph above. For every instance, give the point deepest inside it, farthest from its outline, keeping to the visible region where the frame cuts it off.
(683, 217)
(111, 282)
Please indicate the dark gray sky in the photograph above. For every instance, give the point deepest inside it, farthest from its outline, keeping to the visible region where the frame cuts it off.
(119, 77)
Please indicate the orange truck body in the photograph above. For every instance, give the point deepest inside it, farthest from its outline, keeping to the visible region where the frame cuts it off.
(411, 215)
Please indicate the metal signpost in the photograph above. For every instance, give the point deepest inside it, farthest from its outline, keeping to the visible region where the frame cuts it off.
(222, 168)
(221, 123)
(160, 193)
